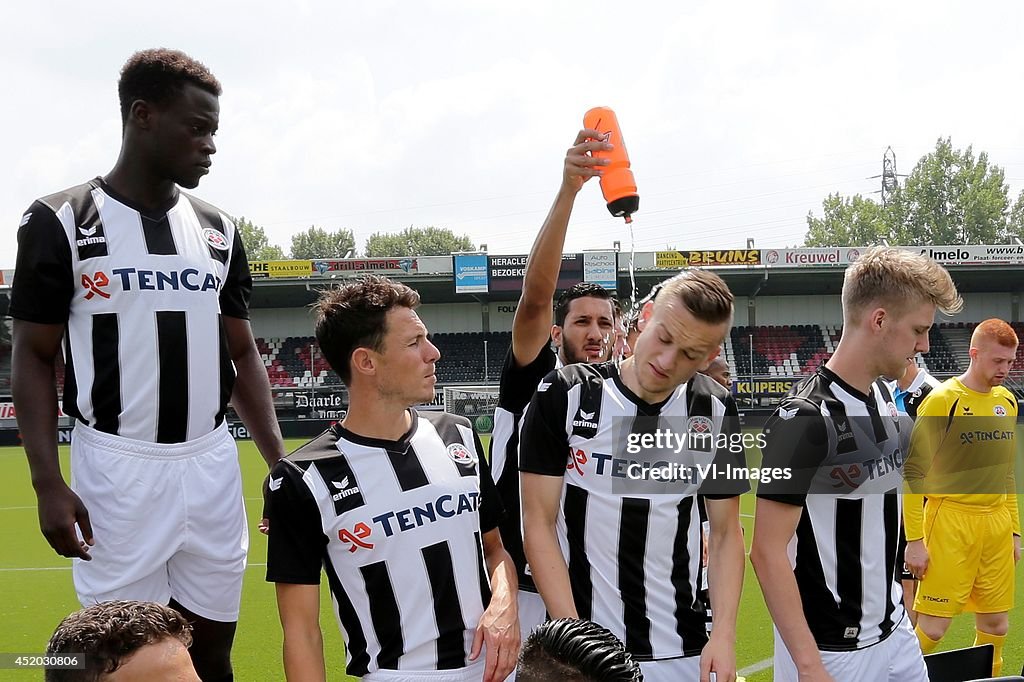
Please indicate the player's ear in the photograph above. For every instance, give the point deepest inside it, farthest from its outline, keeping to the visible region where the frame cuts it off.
(714, 354)
(877, 317)
(363, 362)
(141, 114)
(645, 314)
(556, 335)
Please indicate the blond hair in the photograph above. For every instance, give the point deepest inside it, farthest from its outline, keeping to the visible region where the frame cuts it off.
(897, 279)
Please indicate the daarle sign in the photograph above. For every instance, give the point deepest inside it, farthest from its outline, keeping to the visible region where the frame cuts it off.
(675, 260)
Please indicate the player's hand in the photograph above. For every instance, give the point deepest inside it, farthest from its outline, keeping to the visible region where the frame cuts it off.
(499, 632)
(719, 657)
(580, 166)
(60, 511)
(1016, 548)
(916, 558)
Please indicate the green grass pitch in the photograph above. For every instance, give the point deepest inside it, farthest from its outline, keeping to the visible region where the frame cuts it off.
(36, 591)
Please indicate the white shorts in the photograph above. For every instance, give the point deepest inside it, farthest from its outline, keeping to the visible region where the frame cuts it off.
(896, 659)
(472, 673)
(168, 520)
(672, 670)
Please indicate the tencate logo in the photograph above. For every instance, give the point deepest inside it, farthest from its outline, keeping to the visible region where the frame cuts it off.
(404, 520)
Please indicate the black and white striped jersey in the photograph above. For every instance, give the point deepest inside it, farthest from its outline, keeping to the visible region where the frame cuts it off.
(632, 544)
(844, 450)
(397, 527)
(141, 294)
(515, 389)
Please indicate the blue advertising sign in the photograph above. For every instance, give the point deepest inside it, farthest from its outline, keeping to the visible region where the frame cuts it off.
(470, 271)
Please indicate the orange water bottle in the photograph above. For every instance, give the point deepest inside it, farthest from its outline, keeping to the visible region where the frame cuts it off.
(617, 183)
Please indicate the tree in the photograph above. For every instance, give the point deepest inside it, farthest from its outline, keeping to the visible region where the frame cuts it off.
(317, 242)
(257, 245)
(417, 241)
(950, 197)
(847, 221)
(1016, 226)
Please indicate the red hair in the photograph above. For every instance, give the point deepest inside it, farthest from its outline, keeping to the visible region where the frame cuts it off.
(996, 330)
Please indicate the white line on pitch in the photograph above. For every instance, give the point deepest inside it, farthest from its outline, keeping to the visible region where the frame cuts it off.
(756, 667)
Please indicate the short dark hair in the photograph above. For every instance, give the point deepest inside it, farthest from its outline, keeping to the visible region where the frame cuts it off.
(580, 290)
(354, 316)
(572, 650)
(110, 632)
(158, 75)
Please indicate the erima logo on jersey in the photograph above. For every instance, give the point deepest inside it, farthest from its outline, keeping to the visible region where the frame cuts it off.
(215, 239)
(189, 279)
(444, 507)
(343, 489)
(585, 420)
(89, 236)
(275, 483)
(543, 386)
(24, 219)
(842, 430)
(785, 415)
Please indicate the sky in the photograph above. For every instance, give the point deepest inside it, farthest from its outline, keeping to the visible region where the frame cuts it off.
(739, 117)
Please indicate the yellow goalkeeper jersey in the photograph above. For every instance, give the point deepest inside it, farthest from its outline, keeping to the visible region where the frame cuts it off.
(963, 447)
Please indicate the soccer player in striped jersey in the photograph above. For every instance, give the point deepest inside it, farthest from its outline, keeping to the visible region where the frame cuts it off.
(397, 507)
(583, 331)
(611, 524)
(965, 541)
(825, 541)
(149, 289)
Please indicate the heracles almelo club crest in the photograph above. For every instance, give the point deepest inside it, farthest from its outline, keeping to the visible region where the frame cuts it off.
(460, 454)
(699, 425)
(215, 239)
(999, 411)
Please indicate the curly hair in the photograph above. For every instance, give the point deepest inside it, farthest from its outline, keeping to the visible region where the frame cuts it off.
(354, 316)
(572, 650)
(110, 632)
(158, 75)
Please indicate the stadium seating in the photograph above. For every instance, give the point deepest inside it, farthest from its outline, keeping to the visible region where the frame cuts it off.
(296, 361)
